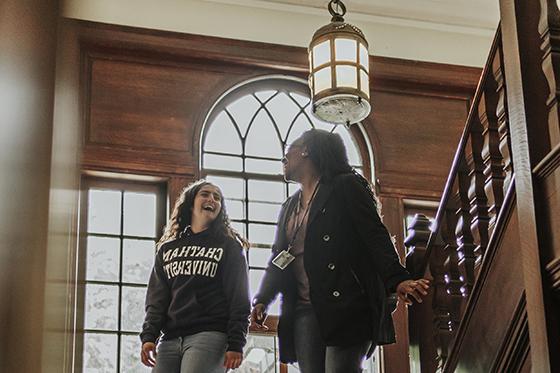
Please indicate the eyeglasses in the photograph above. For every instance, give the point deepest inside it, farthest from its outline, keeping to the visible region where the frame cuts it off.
(289, 149)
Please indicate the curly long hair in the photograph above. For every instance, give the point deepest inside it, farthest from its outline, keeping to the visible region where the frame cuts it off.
(327, 152)
(182, 215)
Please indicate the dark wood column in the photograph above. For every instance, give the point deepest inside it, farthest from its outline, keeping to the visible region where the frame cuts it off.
(27, 77)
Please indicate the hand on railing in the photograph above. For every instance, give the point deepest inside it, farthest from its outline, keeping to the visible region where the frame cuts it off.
(415, 288)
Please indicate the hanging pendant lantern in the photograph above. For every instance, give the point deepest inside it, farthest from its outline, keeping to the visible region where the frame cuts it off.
(339, 70)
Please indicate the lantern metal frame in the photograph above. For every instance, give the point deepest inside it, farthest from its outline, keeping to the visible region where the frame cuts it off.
(340, 104)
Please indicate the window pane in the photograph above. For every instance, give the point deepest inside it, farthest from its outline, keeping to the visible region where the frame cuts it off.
(302, 100)
(230, 187)
(262, 139)
(364, 81)
(139, 214)
(255, 277)
(243, 111)
(283, 109)
(130, 360)
(101, 307)
(266, 191)
(345, 50)
(103, 255)
(100, 353)
(351, 148)
(104, 211)
(264, 96)
(221, 162)
(222, 136)
(364, 56)
(138, 259)
(261, 166)
(301, 125)
(261, 233)
(259, 355)
(235, 209)
(322, 80)
(132, 314)
(264, 211)
(239, 227)
(321, 53)
(258, 257)
(346, 76)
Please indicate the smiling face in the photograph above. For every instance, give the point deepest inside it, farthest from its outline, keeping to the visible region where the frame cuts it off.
(207, 205)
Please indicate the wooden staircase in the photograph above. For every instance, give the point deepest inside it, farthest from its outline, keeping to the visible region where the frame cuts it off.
(493, 251)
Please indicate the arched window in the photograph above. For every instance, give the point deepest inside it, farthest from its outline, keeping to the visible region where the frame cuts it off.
(242, 144)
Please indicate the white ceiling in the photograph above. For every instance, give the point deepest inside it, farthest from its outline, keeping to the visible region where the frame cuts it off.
(446, 31)
(466, 14)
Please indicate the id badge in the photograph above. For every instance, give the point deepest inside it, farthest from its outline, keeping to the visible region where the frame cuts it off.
(283, 259)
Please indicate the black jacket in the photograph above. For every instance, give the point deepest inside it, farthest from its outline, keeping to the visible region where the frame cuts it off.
(198, 283)
(351, 263)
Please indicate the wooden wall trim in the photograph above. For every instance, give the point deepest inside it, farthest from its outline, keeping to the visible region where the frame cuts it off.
(515, 350)
(229, 62)
(548, 164)
(444, 80)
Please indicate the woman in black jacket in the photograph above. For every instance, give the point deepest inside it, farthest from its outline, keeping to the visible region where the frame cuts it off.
(197, 298)
(333, 261)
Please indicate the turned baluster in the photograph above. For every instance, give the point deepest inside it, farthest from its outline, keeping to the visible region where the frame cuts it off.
(440, 301)
(491, 155)
(452, 273)
(468, 176)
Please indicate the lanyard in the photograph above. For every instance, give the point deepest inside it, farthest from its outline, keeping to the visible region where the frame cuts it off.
(298, 227)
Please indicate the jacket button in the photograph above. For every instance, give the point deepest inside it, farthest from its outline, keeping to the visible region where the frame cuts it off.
(331, 266)
(326, 237)
(336, 293)
(323, 210)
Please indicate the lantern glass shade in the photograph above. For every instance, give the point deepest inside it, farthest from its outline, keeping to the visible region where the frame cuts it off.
(364, 57)
(322, 80)
(364, 82)
(345, 50)
(321, 53)
(346, 76)
(339, 77)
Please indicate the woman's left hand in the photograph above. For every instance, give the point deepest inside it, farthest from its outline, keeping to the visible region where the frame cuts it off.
(416, 288)
(233, 359)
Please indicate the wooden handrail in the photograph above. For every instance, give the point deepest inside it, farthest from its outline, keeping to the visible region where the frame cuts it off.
(460, 149)
(471, 202)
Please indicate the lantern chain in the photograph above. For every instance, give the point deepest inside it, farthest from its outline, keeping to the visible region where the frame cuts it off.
(337, 9)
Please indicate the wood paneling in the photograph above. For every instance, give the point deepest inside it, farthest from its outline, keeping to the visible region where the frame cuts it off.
(492, 307)
(414, 139)
(148, 92)
(141, 105)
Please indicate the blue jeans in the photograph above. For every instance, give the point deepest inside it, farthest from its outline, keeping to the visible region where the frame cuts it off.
(315, 357)
(200, 352)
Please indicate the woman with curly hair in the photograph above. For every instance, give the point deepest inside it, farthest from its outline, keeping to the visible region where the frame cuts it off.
(198, 297)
